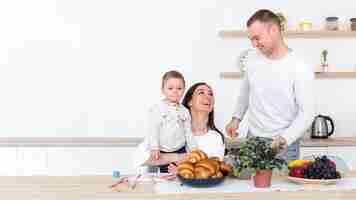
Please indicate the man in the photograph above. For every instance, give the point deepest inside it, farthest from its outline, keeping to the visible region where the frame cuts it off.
(277, 88)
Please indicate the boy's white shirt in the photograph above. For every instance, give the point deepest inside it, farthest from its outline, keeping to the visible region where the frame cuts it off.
(169, 128)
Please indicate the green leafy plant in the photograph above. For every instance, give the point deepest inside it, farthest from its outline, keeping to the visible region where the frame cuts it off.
(324, 57)
(256, 153)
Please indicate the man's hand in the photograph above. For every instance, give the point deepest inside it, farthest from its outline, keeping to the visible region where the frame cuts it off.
(232, 127)
(279, 143)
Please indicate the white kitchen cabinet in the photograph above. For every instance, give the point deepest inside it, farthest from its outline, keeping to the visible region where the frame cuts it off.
(33, 161)
(64, 161)
(66, 156)
(74, 161)
(346, 153)
(10, 165)
(312, 151)
(103, 160)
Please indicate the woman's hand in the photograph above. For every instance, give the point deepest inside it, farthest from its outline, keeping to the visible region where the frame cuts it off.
(173, 168)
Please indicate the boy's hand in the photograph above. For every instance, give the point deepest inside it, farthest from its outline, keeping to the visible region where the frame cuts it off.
(155, 154)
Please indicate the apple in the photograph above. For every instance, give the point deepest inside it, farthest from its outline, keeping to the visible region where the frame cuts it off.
(298, 171)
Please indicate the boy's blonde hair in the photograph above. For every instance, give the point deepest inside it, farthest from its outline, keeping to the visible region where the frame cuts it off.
(172, 74)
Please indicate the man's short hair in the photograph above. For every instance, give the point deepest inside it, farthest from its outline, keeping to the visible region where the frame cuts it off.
(264, 16)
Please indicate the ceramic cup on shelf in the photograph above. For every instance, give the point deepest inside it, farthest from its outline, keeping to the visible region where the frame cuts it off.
(332, 23)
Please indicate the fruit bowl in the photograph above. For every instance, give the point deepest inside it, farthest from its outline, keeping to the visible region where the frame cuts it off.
(209, 182)
(313, 181)
(321, 170)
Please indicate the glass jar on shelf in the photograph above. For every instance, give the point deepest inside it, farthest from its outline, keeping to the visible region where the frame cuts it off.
(305, 26)
(353, 24)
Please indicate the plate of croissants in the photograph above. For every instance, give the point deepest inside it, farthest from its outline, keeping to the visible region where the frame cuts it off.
(200, 171)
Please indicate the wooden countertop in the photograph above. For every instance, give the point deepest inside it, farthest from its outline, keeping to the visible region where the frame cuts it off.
(96, 188)
(134, 141)
(334, 142)
(308, 142)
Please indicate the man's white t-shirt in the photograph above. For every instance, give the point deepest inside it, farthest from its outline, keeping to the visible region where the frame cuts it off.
(278, 96)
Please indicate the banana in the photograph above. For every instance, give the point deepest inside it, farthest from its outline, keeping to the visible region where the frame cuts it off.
(297, 163)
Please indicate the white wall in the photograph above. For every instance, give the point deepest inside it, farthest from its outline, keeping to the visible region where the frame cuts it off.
(93, 67)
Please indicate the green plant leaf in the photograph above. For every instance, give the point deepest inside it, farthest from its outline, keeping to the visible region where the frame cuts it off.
(256, 153)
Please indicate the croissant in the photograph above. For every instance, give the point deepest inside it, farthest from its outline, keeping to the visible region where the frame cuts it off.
(186, 170)
(219, 174)
(216, 164)
(215, 158)
(209, 165)
(225, 168)
(198, 165)
(186, 173)
(203, 155)
(186, 165)
(202, 173)
(196, 156)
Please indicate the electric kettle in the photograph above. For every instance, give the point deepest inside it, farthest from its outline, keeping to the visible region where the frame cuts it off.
(320, 128)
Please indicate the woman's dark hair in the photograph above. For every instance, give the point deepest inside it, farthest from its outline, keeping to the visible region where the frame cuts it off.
(188, 97)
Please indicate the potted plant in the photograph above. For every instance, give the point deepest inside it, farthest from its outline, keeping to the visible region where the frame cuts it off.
(242, 59)
(257, 155)
(324, 60)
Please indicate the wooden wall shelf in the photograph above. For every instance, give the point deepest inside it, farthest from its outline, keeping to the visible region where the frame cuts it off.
(294, 34)
(318, 75)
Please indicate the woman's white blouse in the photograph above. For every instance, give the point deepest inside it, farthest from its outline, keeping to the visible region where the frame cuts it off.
(211, 143)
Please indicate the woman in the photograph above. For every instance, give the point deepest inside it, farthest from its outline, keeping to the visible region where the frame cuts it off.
(199, 100)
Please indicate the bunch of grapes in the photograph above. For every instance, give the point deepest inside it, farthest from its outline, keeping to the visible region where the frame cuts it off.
(322, 168)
